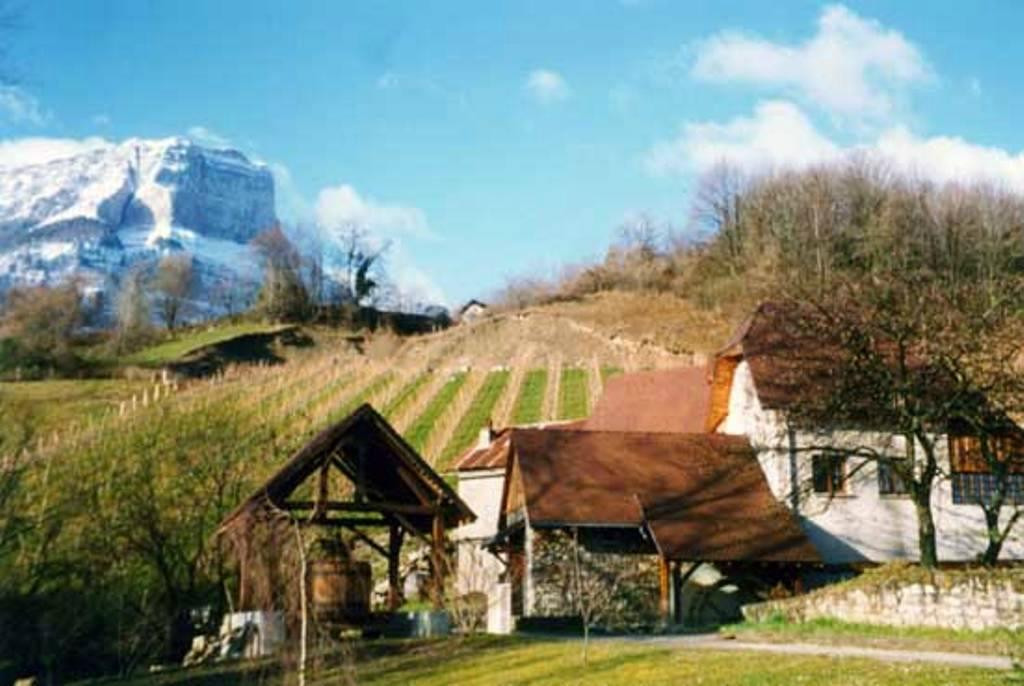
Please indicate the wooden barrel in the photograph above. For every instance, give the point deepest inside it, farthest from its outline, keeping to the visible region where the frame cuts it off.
(340, 590)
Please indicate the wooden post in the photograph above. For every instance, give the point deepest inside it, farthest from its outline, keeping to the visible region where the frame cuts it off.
(394, 573)
(437, 560)
(664, 596)
(677, 594)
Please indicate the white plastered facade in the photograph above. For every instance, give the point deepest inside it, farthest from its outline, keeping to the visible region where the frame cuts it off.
(860, 524)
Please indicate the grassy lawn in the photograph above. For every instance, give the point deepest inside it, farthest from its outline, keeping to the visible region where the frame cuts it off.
(476, 416)
(572, 394)
(518, 661)
(833, 632)
(419, 432)
(188, 341)
(530, 402)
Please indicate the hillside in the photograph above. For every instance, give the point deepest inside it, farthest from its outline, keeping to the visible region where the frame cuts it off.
(439, 388)
(141, 471)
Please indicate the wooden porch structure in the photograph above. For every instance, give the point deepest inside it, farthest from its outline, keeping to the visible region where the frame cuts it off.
(361, 476)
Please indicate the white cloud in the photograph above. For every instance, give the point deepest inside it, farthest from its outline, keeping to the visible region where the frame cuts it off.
(21, 107)
(950, 158)
(777, 133)
(412, 282)
(292, 207)
(342, 205)
(781, 135)
(547, 86)
(208, 137)
(24, 151)
(339, 206)
(852, 67)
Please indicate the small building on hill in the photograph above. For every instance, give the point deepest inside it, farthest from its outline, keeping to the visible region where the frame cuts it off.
(472, 311)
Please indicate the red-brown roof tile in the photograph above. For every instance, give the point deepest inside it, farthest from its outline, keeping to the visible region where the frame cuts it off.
(702, 496)
(667, 400)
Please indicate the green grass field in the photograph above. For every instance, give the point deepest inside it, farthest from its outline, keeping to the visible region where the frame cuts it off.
(480, 661)
(572, 394)
(420, 430)
(834, 632)
(476, 416)
(189, 341)
(405, 396)
(530, 403)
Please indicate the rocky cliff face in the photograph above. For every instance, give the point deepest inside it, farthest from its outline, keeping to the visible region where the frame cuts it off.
(98, 214)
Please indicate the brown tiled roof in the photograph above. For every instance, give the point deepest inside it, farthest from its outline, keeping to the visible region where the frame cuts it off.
(495, 455)
(668, 400)
(702, 496)
(787, 362)
(797, 363)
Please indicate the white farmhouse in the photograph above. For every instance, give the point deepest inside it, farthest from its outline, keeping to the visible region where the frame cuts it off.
(853, 510)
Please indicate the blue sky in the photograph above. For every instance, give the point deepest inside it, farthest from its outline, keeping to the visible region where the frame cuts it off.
(492, 139)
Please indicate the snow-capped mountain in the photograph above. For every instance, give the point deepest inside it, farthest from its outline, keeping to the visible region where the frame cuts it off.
(99, 213)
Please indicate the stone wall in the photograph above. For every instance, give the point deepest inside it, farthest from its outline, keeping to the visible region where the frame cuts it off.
(620, 589)
(975, 600)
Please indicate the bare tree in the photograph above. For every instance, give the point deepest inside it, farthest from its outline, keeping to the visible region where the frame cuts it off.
(133, 313)
(362, 261)
(283, 295)
(173, 282)
(44, 318)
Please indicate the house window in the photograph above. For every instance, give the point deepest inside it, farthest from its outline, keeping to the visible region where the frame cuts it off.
(828, 473)
(974, 488)
(972, 480)
(889, 481)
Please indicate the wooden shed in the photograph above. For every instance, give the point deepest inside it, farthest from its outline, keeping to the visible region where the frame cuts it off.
(359, 477)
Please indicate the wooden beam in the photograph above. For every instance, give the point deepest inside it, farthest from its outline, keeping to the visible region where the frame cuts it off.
(413, 483)
(437, 560)
(367, 540)
(664, 595)
(378, 506)
(349, 522)
(394, 573)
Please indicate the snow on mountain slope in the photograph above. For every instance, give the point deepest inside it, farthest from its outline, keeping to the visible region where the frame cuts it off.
(102, 212)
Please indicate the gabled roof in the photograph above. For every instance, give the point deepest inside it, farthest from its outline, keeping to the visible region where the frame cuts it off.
(666, 400)
(799, 363)
(365, 448)
(495, 455)
(701, 496)
(470, 304)
(786, 361)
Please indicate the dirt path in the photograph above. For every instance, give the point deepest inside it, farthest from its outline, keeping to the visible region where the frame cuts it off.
(715, 642)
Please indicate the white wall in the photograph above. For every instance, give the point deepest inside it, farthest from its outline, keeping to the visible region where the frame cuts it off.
(479, 570)
(861, 524)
